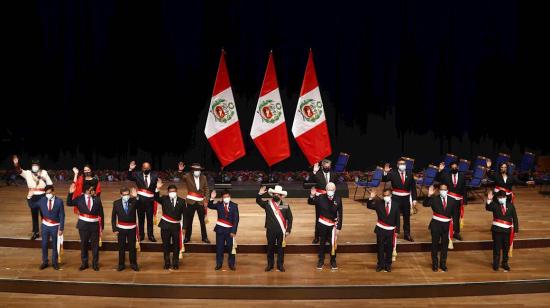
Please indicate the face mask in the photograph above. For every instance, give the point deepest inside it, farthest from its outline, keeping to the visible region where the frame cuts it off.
(330, 193)
(172, 194)
(454, 171)
(49, 196)
(125, 198)
(226, 200)
(276, 198)
(87, 174)
(326, 169)
(443, 193)
(502, 200)
(146, 171)
(503, 171)
(35, 168)
(402, 167)
(387, 199)
(196, 173)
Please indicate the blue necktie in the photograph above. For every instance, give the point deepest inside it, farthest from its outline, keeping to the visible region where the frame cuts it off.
(125, 207)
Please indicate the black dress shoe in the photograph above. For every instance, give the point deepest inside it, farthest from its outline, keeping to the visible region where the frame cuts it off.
(315, 241)
(175, 267)
(186, 240)
(443, 267)
(378, 268)
(207, 241)
(457, 236)
(434, 268)
(388, 268)
(218, 267)
(233, 268)
(333, 265)
(409, 238)
(56, 267)
(121, 268)
(135, 267)
(166, 266)
(95, 267)
(269, 268)
(34, 236)
(83, 267)
(495, 267)
(141, 238)
(152, 239)
(281, 268)
(506, 267)
(43, 266)
(320, 265)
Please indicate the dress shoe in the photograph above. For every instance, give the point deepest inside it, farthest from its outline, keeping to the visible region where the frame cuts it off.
(95, 267)
(152, 239)
(409, 238)
(56, 267)
(457, 236)
(141, 238)
(121, 268)
(167, 266)
(434, 268)
(315, 241)
(320, 265)
(135, 267)
(207, 241)
(83, 267)
(333, 265)
(495, 267)
(218, 267)
(233, 268)
(43, 266)
(443, 267)
(378, 268)
(281, 268)
(34, 236)
(388, 268)
(175, 267)
(506, 267)
(269, 268)
(186, 240)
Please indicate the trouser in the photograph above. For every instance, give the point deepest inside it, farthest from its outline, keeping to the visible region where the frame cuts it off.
(405, 209)
(325, 234)
(127, 236)
(275, 238)
(224, 242)
(35, 212)
(456, 221)
(190, 213)
(384, 244)
(440, 236)
(89, 238)
(144, 208)
(316, 234)
(171, 244)
(501, 242)
(47, 232)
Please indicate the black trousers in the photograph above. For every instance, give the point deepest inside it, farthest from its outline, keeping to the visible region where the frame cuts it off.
(127, 237)
(190, 215)
(325, 235)
(440, 242)
(170, 244)
(384, 245)
(456, 222)
(316, 234)
(34, 213)
(89, 238)
(144, 208)
(405, 209)
(501, 242)
(275, 239)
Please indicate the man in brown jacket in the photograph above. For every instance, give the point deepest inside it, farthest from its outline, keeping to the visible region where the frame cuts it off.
(197, 200)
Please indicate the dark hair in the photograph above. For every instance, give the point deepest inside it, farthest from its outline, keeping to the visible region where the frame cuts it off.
(124, 189)
(500, 193)
(443, 184)
(386, 189)
(88, 186)
(226, 192)
(172, 187)
(501, 164)
(49, 187)
(454, 162)
(401, 159)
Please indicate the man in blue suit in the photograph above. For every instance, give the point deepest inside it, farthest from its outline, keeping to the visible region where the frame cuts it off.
(226, 227)
(53, 221)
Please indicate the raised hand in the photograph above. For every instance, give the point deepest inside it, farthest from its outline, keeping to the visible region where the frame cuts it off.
(262, 190)
(431, 191)
(133, 192)
(15, 160)
(313, 191)
(489, 163)
(213, 194)
(75, 170)
(181, 166)
(159, 184)
(387, 168)
(372, 194)
(441, 166)
(132, 165)
(490, 195)
(315, 168)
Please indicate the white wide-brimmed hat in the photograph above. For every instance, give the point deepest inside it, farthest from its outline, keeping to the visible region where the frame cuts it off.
(277, 190)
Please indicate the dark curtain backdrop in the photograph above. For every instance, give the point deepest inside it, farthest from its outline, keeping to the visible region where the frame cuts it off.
(110, 81)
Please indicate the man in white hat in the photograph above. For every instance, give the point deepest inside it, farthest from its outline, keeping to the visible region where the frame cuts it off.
(197, 190)
(278, 224)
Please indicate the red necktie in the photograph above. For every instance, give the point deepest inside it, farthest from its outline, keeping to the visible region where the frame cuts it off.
(403, 178)
(50, 205)
(503, 209)
(226, 207)
(444, 203)
(89, 204)
(387, 209)
(454, 180)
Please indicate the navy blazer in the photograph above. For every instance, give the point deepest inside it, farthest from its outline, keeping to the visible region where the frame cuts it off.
(232, 216)
(97, 210)
(57, 213)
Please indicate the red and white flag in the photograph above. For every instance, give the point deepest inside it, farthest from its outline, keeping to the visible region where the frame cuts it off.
(222, 124)
(310, 126)
(269, 127)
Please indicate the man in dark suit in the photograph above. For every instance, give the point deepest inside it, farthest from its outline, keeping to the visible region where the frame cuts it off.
(457, 190)
(123, 221)
(90, 223)
(278, 224)
(172, 224)
(321, 176)
(404, 189)
(504, 227)
(329, 223)
(226, 227)
(53, 221)
(196, 199)
(387, 227)
(444, 209)
(146, 182)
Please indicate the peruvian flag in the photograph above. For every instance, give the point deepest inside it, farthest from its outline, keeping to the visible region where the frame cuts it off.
(269, 128)
(310, 126)
(222, 124)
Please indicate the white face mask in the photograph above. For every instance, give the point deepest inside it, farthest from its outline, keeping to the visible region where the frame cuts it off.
(196, 173)
(172, 194)
(49, 196)
(35, 169)
(330, 193)
(387, 199)
(402, 167)
(502, 200)
(443, 193)
(125, 198)
(226, 199)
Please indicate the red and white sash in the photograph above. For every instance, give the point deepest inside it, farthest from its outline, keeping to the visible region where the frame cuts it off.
(172, 220)
(39, 191)
(125, 225)
(92, 218)
(381, 224)
(195, 196)
(441, 218)
(224, 223)
(145, 193)
(330, 223)
(460, 198)
(50, 222)
(400, 192)
(319, 191)
(506, 225)
(280, 219)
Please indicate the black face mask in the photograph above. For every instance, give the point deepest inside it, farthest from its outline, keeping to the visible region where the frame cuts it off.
(326, 169)
(276, 198)
(87, 174)
(147, 171)
(503, 171)
(454, 171)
